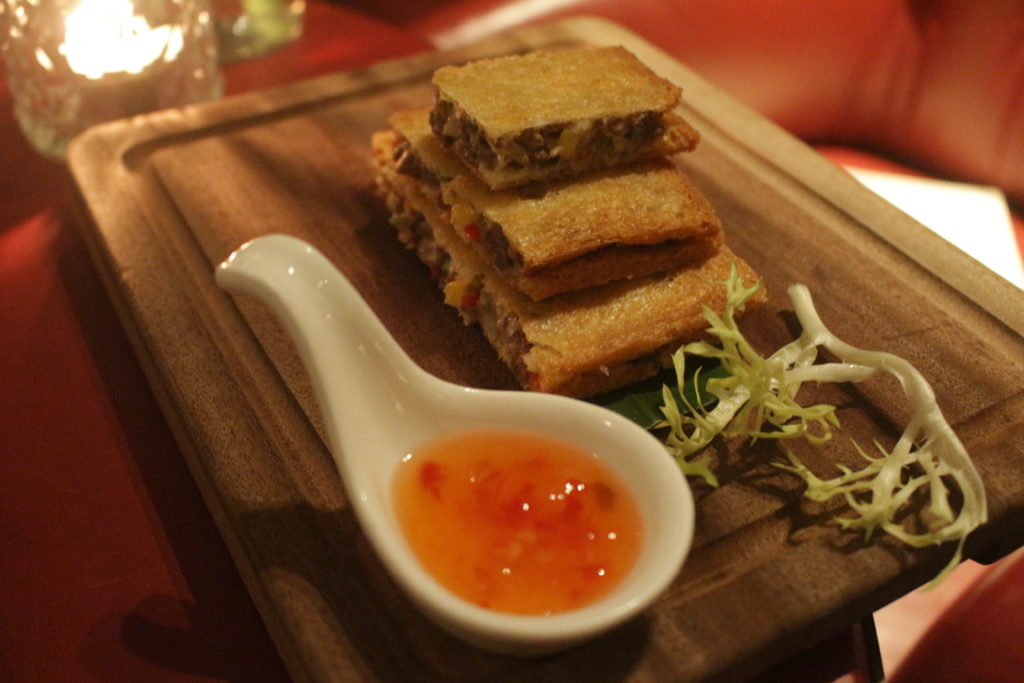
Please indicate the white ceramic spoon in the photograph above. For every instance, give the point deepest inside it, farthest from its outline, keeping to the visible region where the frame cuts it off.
(378, 405)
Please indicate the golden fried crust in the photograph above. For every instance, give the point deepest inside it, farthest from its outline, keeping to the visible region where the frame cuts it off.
(616, 263)
(679, 136)
(554, 86)
(576, 334)
(607, 265)
(603, 227)
(644, 203)
(590, 341)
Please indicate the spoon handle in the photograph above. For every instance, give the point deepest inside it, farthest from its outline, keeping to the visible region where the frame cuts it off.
(359, 372)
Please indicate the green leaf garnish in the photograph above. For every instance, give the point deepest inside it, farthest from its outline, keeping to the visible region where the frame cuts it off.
(641, 402)
(756, 399)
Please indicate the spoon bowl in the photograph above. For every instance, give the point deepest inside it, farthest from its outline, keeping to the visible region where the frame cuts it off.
(378, 405)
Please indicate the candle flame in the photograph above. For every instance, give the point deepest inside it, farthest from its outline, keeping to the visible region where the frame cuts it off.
(106, 36)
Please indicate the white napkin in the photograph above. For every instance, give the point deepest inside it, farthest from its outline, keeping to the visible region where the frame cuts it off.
(974, 218)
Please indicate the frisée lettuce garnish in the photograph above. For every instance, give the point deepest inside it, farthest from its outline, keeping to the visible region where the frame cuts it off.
(755, 397)
(757, 400)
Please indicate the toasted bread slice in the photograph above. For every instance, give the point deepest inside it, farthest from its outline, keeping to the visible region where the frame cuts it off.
(624, 222)
(580, 343)
(556, 113)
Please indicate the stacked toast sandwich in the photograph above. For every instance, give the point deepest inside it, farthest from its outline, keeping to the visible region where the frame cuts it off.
(540, 192)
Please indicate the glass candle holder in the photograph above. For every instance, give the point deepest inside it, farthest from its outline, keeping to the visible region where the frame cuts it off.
(252, 28)
(71, 64)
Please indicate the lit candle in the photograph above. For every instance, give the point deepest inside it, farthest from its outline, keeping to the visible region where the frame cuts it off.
(71, 65)
(106, 36)
(123, 58)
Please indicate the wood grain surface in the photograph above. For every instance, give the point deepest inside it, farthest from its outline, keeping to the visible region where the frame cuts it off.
(167, 196)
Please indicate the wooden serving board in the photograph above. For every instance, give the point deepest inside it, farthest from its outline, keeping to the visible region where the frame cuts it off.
(170, 195)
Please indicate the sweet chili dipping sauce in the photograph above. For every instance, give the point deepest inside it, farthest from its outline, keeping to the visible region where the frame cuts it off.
(517, 522)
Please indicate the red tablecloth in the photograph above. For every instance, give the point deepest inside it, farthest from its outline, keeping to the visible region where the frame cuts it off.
(111, 567)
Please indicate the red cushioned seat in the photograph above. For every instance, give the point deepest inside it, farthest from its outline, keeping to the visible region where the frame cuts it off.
(937, 84)
(978, 637)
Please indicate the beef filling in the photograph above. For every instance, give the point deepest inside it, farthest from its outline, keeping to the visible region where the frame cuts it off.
(455, 129)
(538, 146)
(504, 332)
(493, 240)
(407, 162)
(500, 253)
(502, 328)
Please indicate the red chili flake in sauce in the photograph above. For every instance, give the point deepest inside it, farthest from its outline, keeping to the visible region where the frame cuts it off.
(517, 522)
(431, 477)
(469, 299)
(472, 231)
